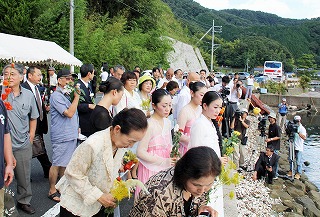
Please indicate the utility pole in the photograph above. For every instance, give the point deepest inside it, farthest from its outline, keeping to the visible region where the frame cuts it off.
(213, 45)
(71, 31)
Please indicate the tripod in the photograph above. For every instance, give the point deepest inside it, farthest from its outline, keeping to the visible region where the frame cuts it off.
(291, 156)
(261, 145)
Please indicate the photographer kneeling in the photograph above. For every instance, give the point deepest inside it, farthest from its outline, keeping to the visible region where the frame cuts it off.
(266, 165)
(240, 124)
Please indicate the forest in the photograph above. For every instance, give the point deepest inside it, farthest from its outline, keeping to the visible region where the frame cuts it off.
(130, 32)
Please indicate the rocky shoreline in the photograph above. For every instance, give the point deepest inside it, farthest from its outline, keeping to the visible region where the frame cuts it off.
(282, 198)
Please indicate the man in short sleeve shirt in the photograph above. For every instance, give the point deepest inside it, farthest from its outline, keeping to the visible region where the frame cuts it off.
(22, 123)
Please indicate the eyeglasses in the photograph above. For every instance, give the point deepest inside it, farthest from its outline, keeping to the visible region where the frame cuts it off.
(68, 78)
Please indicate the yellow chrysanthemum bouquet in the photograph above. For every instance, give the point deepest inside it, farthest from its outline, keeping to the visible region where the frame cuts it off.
(228, 174)
(122, 189)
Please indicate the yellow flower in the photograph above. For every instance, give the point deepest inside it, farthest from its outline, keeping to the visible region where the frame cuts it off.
(231, 195)
(256, 111)
(236, 133)
(119, 190)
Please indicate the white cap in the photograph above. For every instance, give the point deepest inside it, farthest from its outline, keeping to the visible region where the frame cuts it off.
(297, 118)
(244, 110)
(272, 115)
(284, 99)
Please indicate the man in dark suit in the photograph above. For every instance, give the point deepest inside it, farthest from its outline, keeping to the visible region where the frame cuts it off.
(34, 77)
(86, 104)
(266, 165)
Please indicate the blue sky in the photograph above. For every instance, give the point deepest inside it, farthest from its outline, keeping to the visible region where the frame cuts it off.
(295, 9)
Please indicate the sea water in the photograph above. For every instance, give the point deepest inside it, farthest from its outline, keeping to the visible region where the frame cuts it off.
(311, 150)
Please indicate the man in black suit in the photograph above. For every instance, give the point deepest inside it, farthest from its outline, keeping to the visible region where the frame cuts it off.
(34, 77)
(266, 165)
(86, 104)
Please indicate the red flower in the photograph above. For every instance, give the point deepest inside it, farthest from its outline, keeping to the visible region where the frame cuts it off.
(4, 96)
(118, 178)
(7, 90)
(5, 83)
(7, 105)
(128, 165)
(12, 65)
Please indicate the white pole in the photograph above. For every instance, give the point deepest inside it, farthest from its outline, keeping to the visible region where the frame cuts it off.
(212, 45)
(71, 31)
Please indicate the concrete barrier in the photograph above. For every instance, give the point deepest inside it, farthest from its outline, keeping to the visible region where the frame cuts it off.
(299, 101)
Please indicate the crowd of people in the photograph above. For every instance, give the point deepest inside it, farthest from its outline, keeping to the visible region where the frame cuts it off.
(137, 112)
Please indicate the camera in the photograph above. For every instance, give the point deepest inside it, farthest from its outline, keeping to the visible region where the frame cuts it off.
(238, 85)
(292, 128)
(225, 92)
(204, 214)
(262, 124)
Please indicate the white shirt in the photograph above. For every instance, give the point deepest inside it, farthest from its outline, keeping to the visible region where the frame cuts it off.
(104, 76)
(234, 95)
(53, 80)
(298, 141)
(164, 80)
(33, 90)
(216, 88)
(128, 101)
(183, 99)
(250, 81)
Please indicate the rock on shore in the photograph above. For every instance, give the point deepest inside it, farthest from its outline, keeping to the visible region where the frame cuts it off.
(284, 197)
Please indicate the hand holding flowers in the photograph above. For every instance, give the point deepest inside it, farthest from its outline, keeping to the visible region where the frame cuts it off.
(175, 142)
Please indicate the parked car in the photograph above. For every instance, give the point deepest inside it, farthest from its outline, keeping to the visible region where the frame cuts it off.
(219, 74)
(262, 79)
(243, 75)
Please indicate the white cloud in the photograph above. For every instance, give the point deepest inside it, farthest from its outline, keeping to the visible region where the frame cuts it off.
(296, 9)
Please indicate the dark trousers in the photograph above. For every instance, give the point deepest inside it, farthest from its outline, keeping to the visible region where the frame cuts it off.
(263, 172)
(65, 213)
(45, 163)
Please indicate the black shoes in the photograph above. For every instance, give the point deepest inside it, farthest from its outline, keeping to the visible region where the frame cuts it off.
(26, 208)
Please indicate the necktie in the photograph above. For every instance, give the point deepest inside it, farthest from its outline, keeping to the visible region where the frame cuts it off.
(39, 102)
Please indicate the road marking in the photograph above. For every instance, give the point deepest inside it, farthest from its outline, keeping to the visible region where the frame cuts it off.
(53, 212)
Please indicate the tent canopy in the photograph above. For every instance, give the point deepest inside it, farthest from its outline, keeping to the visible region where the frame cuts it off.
(22, 49)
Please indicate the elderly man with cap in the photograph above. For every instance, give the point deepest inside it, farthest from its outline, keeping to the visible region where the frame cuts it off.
(298, 140)
(241, 124)
(64, 129)
(282, 114)
(274, 136)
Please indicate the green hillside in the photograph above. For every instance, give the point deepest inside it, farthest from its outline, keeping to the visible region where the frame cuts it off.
(297, 37)
(129, 32)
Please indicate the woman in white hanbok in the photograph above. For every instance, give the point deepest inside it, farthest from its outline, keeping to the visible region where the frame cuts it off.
(205, 133)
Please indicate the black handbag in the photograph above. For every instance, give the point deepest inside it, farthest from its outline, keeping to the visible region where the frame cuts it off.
(244, 140)
(38, 146)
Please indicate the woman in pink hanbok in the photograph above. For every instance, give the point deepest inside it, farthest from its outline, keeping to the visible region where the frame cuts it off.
(154, 149)
(190, 113)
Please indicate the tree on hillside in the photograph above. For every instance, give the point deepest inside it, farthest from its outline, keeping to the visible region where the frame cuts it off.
(16, 17)
(304, 81)
(306, 61)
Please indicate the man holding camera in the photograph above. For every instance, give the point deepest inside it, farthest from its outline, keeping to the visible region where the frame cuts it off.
(274, 135)
(298, 140)
(266, 165)
(240, 124)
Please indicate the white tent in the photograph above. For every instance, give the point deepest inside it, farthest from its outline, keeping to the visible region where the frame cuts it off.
(22, 49)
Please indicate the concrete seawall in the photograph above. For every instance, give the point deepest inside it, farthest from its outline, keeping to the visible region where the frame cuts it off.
(300, 101)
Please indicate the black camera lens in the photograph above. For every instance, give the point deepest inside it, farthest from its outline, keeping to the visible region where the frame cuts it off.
(237, 85)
